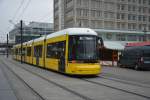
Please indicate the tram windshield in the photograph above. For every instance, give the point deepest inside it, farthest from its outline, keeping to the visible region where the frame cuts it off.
(83, 48)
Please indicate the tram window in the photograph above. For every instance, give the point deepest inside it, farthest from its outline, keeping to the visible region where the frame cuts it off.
(61, 49)
(83, 48)
(38, 51)
(54, 50)
(29, 51)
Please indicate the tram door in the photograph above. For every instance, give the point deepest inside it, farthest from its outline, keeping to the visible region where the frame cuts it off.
(61, 54)
(23, 54)
(38, 54)
(37, 60)
(62, 63)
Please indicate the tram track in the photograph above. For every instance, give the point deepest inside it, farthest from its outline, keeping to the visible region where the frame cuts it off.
(32, 89)
(118, 77)
(10, 83)
(92, 82)
(112, 87)
(124, 81)
(54, 83)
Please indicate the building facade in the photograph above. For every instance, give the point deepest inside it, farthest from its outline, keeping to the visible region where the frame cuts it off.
(129, 15)
(30, 31)
(123, 37)
(59, 15)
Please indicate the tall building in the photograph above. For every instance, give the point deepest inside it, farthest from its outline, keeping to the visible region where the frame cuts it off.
(58, 15)
(128, 15)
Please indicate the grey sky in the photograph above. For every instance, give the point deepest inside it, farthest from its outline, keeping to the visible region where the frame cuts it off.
(37, 10)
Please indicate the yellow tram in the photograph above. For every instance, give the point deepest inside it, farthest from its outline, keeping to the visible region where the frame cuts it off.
(17, 49)
(72, 51)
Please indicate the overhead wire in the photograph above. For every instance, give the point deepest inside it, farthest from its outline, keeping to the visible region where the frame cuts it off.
(25, 6)
(24, 9)
(19, 7)
(46, 16)
(16, 13)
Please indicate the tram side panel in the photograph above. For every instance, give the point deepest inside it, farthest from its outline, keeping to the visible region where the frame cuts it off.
(30, 53)
(19, 54)
(53, 51)
(14, 53)
(24, 53)
(37, 53)
(29, 57)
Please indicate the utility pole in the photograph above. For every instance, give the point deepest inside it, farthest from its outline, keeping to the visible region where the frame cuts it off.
(21, 31)
(7, 45)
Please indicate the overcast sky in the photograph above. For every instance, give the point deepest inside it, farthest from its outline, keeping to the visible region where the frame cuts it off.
(27, 10)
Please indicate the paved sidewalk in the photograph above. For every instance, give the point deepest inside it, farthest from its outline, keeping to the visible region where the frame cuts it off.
(6, 93)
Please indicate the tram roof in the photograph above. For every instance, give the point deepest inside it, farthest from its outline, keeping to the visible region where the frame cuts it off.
(39, 39)
(17, 45)
(29, 42)
(25, 43)
(69, 31)
(73, 31)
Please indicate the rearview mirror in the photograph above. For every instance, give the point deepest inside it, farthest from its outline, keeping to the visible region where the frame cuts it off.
(100, 41)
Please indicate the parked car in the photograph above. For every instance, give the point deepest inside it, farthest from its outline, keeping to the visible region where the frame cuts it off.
(135, 57)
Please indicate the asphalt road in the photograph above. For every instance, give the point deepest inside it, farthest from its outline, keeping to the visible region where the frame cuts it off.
(127, 74)
(26, 82)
